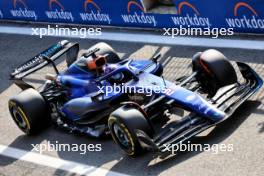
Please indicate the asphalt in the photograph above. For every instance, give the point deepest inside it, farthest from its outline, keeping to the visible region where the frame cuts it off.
(244, 130)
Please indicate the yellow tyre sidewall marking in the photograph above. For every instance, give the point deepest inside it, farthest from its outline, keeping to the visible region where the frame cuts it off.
(113, 119)
(13, 104)
(110, 121)
(24, 117)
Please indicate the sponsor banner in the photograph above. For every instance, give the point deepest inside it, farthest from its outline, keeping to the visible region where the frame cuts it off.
(242, 16)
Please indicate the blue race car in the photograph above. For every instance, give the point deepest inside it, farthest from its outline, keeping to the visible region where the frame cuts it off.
(74, 99)
(99, 94)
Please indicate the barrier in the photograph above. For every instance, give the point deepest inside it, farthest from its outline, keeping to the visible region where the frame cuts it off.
(242, 15)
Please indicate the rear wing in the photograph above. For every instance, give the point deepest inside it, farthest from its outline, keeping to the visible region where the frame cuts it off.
(41, 60)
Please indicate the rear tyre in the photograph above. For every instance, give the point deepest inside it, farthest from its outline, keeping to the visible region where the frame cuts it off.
(105, 49)
(29, 111)
(215, 70)
(122, 124)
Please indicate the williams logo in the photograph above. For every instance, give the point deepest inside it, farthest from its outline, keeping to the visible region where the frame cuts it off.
(21, 10)
(189, 20)
(57, 11)
(249, 19)
(136, 15)
(92, 12)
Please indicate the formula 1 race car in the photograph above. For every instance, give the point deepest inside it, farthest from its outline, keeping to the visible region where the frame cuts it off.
(210, 94)
(83, 98)
(74, 99)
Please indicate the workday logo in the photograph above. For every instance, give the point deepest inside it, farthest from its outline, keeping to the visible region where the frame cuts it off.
(22, 2)
(92, 3)
(21, 10)
(132, 4)
(57, 11)
(192, 19)
(245, 16)
(55, 3)
(135, 14)
(247, 6)
(188, 5)
(92, 12)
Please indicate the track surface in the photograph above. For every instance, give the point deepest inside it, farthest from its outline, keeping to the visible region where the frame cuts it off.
(245, 130)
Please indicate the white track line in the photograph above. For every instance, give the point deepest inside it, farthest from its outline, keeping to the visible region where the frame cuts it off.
(56, 163)
(154, 39)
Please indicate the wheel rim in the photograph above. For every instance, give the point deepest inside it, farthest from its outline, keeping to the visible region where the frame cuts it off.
(122, 136)
(19, 119)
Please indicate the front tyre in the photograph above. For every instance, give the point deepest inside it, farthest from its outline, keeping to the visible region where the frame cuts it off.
(215, 70)
(29, 111)
(122, 124)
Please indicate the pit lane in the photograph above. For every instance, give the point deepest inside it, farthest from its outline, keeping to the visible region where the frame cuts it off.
(244, 130)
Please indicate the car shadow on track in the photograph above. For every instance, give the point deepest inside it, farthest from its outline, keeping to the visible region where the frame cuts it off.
(216, 136)
(123, 165)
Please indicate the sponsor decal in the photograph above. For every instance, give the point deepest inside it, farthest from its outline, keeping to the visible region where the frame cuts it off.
(189, 20)
(60, 14)
(203, 106)
(134, 3)
(135, 17)
(33, 62)
(38, 59)
(21, 10)
(169, 91)
(92, 12)
(252, 21)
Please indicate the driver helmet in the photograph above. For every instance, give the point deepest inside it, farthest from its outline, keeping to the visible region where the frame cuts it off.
(96, 63)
